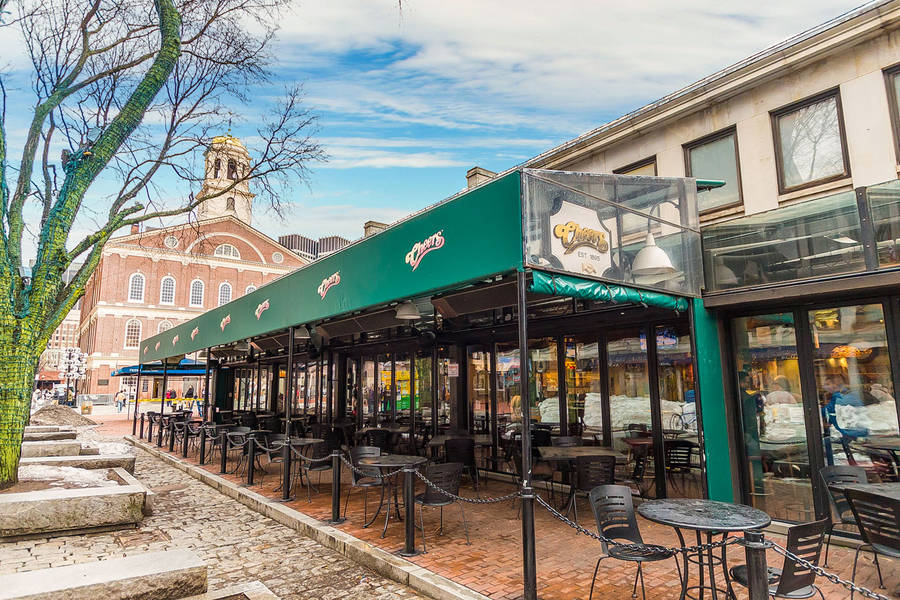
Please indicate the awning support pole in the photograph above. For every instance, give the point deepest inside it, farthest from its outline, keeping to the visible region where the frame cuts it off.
(162, 402)
(137, 391)
(205, 415)
(288, 401)
(529, 562)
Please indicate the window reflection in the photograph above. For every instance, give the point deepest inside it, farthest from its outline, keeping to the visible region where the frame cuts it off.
(810, 143)
(583, 397)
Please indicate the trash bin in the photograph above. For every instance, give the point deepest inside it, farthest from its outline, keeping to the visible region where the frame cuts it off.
(86, 407)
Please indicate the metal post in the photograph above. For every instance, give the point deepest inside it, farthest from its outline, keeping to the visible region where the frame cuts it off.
(529, 561)
(184, 438)
(137, 391)
(149, 429)
(336, 488)
(435, 408)
(495, 431)
(412, 401)
(204, 414)
(251, 458)
(162, 402)
(224, 439)
(142, 426)
(288, 406)
(409, 547)
(171, 432)
(202, 458)
(755, 547)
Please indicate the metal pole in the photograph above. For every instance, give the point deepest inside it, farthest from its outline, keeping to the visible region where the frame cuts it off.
(205, 413)
(409, 547)
(434, 391)
(202, 457)
(289, 400)
(755, 547)
(162, 403)
(336, 487)
(184, 437)
(142, 426)
(251, 457)
(223, 434)
(412, 401)
(137, 391)
(529, 561)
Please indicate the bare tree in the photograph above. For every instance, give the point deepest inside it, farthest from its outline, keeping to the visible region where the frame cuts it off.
(128, 94)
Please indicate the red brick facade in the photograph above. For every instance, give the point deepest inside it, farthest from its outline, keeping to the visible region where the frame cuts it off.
(186, 253)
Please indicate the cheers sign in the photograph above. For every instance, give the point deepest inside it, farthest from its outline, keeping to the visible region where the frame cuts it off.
(420, 249)
(328, 283)
(572, 236)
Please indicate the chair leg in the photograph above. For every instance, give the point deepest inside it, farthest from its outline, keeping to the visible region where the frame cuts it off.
(853, 573)
(634, 587)
(594, 578)
(641, 573)
(827, 547)
(465, 523)
(422, 521)
(347, 503)
(878, 569)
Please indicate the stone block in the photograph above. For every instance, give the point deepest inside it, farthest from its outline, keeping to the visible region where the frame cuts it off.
(153, 576)
(52, 448)
(89, 451)
(41, 428)
(100, 461)
(254, 590)
(45, 436)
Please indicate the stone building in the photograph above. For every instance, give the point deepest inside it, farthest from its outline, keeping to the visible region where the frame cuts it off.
(148, 281)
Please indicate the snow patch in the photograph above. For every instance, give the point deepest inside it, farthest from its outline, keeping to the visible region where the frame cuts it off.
(115, 448)
(66, 476)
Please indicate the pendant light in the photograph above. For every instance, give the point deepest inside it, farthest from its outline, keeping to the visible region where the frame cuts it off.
(407, 311)
(301, 333)
(652, 260)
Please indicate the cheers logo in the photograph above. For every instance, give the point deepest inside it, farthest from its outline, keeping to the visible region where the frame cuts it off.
(174, 340)
(194, 332)
(263, 307)
(573, 236)
(224, 322)
(156, 347)
(328, 283)
(420, 249)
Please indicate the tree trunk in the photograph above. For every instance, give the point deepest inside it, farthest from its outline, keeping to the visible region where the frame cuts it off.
(16, 383)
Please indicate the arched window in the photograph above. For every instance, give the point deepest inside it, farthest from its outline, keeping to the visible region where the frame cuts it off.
(250, 288)
(196, 293)
(229, 203)
(167, 290)
(132, 333)
(136, 288)
(164, 326)
(232, 169)
(227, 250)
(224, 293)
(217, 168)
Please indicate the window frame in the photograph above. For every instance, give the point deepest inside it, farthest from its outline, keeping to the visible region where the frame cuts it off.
(708, 139)
(139, 334)
(143, 287)
(159, 328)
(162, 282)
(637, 165)
(235, 253)
(230, 293)
(191, 293)
(893, 110)
(250, 289)
(776, 114)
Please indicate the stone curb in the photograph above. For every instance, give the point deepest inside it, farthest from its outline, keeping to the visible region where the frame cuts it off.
(384, 563)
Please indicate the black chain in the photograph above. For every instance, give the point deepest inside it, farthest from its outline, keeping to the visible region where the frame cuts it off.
(308, 459)
(369, 474)
(655, 547)
(819, 571)
(516, 494)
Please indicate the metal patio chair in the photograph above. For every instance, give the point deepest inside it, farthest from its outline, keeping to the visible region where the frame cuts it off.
(445, 477)
(793, 581)
(462, 451)
(368, 477)
(613, 509)
(590, 472)
(878, 519)
(841, 513)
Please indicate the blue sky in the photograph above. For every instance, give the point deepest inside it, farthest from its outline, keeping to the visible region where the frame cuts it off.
(409, 98)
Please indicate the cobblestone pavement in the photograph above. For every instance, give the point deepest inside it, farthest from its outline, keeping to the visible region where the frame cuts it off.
(237, 544)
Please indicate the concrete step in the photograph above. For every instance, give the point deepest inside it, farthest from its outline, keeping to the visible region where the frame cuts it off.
(99, 461)
(169, 575)
(52, 448)
(43, 436)
(45, 428)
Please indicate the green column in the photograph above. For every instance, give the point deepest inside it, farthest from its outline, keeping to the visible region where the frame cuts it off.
(712, 402)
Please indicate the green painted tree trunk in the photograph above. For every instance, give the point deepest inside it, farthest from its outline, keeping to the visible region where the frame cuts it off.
(17, 369)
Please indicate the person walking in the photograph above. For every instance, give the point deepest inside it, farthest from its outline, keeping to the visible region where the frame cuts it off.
(120, 400)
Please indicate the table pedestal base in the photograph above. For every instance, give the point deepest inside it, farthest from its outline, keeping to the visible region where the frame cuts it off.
(707, 563)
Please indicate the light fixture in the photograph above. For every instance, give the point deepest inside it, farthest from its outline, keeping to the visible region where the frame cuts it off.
(652, 260)
(301, 333)
(843, 239)
(407, 311)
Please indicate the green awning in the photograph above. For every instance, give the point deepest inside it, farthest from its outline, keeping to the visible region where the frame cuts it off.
(575, 287)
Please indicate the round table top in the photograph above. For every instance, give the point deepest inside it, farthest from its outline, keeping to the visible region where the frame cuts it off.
(298, 441)
(886, 443)
(393, 460)
(703, 515)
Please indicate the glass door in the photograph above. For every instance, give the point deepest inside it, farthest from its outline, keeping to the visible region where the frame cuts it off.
(584, 399)
(369, 391)
(478, 389)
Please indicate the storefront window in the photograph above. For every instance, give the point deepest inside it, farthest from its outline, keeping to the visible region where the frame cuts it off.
(402, 383)
(771, 408)
(545, 382)
(583, 397)
(854, 386)
(509, 402)
(479, 388)
(312, 388)
(884, 205)
(385, 387)
(423, 386)
(369, 390)
(447, 367)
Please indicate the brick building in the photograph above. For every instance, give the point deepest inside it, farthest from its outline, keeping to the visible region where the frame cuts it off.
(148, 281)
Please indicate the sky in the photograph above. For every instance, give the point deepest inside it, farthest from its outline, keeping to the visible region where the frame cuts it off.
(410, 95)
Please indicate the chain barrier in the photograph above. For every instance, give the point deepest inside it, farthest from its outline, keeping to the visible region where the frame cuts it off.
(514, 495)
(601, 538)
(819, 571)
(369, 474)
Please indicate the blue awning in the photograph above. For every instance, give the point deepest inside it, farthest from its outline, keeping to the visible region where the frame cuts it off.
(186, 366)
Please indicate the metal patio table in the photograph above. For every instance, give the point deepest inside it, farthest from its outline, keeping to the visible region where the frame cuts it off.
(890, 445)
(437, 442)
(708, 519)
(890, 489)
(387, 463)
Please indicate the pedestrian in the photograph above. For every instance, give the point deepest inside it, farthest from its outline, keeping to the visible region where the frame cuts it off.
(120, 400)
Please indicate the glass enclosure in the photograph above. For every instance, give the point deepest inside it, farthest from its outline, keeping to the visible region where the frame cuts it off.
(884, 206)
(574, 223)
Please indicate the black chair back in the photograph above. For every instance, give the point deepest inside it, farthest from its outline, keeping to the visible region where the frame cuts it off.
(567, 441)
(877, 516)
(319, 430)
(380, 438)
(540, 437)
(678, 454)
(247, 419)
(614, 512)
(269, 423)
(460, 450)
(806, 542)
(593, 471)
(332, 441)
(834, 476)
(444, 476)
(356, 455)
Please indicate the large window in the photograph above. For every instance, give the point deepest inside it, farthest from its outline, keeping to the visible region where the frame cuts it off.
(164, 326)
(167, 290)
(716, 157)
(136, 288)
(809, 142)
(632, 223)
(224, 293)
(132, 333)
(196, 293)
(227, 250)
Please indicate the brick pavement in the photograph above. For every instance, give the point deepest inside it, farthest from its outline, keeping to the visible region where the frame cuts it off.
(237, 544)
(492, 563)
